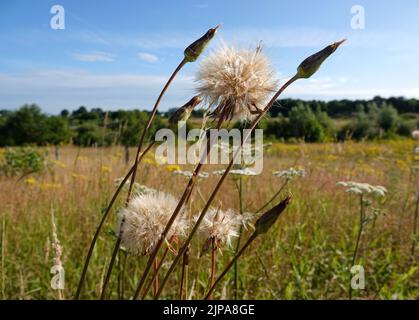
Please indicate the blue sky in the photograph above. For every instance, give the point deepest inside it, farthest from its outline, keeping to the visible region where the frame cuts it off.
(118, 54)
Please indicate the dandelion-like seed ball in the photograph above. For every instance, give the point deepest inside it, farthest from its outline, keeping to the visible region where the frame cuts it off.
(236, 83)
(223, 226)
(144, 220)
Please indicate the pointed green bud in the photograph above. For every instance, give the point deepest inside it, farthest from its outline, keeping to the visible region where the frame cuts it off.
(268, 219)
(310, 65)
(184, 112)
(195, 49)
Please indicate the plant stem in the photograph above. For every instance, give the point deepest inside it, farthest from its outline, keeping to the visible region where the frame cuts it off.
(156, 277)
(358, 239)
(137, 160)
(236, 273)
(213, 255)
(183, 200)
(231, 263)
(415, 222)
(220, 182)
(102, 222)
(158, 268)
(182, 279)
(273, 197)
(150, 119)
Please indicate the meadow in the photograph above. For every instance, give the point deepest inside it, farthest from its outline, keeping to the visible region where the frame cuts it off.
(307, 254)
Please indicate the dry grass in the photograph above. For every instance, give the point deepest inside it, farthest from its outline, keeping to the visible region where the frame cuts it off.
(307, 255)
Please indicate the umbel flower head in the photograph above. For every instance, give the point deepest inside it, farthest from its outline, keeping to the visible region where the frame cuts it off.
(236, 82)
(144, 220)
(290, 173)
(361, 188)
(222, 226)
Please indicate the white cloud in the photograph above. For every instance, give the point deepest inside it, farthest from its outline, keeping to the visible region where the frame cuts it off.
(54, 90)
(147, 57)
(94, 57)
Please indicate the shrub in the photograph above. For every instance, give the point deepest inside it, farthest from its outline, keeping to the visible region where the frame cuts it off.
(22, 161)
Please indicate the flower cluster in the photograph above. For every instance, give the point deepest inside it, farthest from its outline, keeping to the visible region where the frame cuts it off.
(363, 188)
(189, 174)
(237, 172)
(290, 173)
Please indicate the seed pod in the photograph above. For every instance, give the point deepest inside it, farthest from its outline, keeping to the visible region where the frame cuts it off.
(267, 220)
(310, 65)
(196, 48)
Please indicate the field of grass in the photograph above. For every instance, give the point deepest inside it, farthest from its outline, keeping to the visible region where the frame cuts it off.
(307, 255)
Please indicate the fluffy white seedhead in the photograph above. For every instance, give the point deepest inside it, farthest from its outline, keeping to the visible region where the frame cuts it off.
(415, 134)
(223, 226)
(361, 188)
(236, 83)
(144, 220)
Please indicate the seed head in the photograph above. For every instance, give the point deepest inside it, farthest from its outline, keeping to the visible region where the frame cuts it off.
(222, 226)
(143, 221)
(236, 82)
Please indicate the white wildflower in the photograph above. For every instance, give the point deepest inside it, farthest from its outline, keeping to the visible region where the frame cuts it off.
(361, 188)
(189, 174)
(290, 173)
(415, 134)
(237, 172)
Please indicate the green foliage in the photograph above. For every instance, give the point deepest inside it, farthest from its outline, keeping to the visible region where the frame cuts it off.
(22, 161)
(289, 119)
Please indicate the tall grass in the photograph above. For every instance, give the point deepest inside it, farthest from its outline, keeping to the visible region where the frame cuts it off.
(306, 256)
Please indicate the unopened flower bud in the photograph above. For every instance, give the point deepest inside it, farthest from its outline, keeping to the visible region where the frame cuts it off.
(268, 219)
(184, 112)
(196, 48)
(310, 65)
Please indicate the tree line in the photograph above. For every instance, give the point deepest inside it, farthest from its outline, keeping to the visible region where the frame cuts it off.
(289, 119)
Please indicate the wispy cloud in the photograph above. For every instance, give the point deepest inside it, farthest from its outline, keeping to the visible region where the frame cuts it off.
(54, 90)
(270, 37)
(147, 57)
(94, 57)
